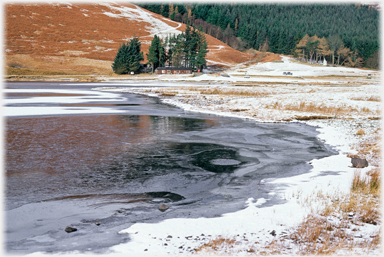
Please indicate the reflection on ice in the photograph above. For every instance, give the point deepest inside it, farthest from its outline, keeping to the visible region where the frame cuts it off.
(225, 162)
(57, 110)
(41, 105)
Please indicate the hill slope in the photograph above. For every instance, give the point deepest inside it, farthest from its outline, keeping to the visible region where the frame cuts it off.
(83, 38)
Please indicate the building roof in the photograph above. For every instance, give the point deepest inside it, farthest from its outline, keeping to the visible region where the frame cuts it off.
(173, 68)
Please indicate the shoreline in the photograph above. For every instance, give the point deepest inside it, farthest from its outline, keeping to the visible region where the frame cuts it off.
(333, 174)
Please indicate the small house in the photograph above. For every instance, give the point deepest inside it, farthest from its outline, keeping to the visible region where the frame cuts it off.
(173, 70)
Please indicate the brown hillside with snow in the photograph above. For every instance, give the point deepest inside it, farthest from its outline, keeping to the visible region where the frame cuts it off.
(84, 38)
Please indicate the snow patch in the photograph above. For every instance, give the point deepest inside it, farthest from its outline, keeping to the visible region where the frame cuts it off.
(157, 27)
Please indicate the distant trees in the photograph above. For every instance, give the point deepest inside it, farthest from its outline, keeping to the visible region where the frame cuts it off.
(187, 49)
(128, 57)
(244, 26)
(194, 48)
(333, 48)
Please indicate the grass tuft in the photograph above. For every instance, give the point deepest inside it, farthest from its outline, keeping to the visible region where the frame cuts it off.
(216, 244)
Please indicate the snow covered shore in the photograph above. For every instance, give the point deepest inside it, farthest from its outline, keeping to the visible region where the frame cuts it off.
(342, 102)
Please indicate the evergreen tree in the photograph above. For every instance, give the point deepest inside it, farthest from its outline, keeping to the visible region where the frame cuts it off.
(187, 46)
(156, 55)
(187, 49)
(165, 10)
(202, 52)
(128, 57)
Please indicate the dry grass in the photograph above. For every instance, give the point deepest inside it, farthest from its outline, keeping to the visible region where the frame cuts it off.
(239, 110)
(264, 83)
(325, 232)
(166, 92)
(368, 185)
(216, 244)
(370, 99)
(317, 236)
(55, 65)
(370, 148)
(318, 108)
(313, 117)
(247, 92)
(320, 234)
(360, 132)
(23, 71)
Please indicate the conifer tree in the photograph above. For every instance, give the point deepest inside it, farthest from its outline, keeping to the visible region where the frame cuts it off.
(187, 46)
(200, 57)
(128, 57)
(156, 55)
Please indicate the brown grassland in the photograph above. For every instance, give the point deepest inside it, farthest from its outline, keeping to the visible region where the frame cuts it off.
(79, 39)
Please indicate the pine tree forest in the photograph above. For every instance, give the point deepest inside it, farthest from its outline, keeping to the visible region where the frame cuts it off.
(342, 34)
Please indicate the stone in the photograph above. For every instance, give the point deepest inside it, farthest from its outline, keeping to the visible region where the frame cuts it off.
(163, 207)
(359, 163)
(97, 224)
(273, 233)
(70, 229)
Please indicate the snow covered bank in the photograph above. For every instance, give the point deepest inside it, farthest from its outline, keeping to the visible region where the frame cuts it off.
(255, 223)
(249, 230)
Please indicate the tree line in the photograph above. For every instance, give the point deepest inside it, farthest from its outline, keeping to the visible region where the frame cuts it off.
(315, 49)
(187, 49)
(244, 26)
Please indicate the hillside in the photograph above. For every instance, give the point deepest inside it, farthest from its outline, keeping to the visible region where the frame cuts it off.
(79, 38)
(280, 26)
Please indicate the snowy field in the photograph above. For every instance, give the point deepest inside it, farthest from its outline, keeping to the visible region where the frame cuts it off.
(345, 99)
